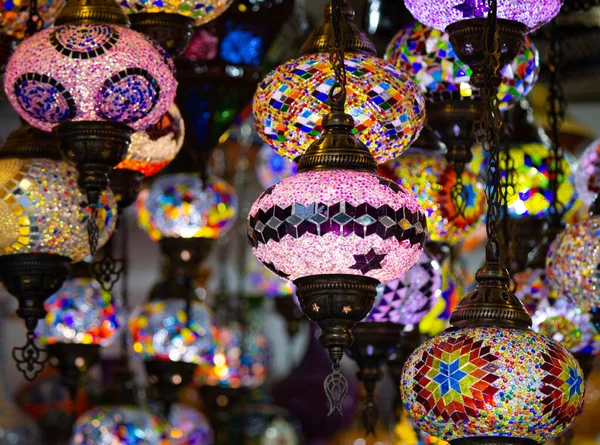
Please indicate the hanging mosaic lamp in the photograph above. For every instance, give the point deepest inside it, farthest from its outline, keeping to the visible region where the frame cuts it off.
(93, 82)
(271, 167)
(150, 151)
(400, 304)
(587, 182)
(189, 426)
(572, 264)
(386, 105)
(44, 230)
(81, 317)
(170, 23)
(349, 229)
(424, 171)
(172, 336)
(426, 54)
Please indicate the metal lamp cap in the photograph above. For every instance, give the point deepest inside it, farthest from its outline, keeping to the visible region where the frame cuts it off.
(92, 11)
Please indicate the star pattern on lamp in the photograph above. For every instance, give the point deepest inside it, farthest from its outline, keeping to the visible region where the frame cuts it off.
(456, 381)
(368, 262)
(472, 8)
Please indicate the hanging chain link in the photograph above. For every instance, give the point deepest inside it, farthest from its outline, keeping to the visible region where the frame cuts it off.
(337, 93)
(556, 116)
(488, 129)
(92, 228)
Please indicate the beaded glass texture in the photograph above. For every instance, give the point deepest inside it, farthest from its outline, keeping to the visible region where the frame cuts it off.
(439, 14)
(89, 72)
(152, 149)
(587, 180)
(573, 263)
(427, 55)
(81, 312)
(160, 330)
(337, 222)
(431, 179)
(487, 381)
(181, 206)
(201, 11)
(527, 178)
(270, 167)
(119, 424)
(406, 300)
(14, 15)
(43, 211)
(554, 316)
(188, 426)
(387, 106)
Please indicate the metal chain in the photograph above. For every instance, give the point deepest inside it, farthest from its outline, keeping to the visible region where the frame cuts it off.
(556, 116)
(34, 21)
(337, 93)
(488, 129)
(92, 228)
(124, 233)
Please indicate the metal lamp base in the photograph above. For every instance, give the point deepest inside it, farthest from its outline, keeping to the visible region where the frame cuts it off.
(73, 361)
(167, 377)
(468, 40)
(186, 254)
(172, 31)
(95, 148)
(493, 441)
(126, 185)
(373, 343)
(336, 303)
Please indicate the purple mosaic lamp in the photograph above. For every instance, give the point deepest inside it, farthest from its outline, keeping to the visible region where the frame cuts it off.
(347, 228)
(400, 305)
(93, 82)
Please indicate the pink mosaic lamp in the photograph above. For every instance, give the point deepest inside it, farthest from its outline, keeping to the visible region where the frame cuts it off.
(337, 229)
(93, 82)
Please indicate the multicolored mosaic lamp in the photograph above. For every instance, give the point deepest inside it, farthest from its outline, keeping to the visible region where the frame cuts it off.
(44, 228)
(400, 304)
(188, 426)
(171, 23)
(386, 105)
(119, 424)
(348, 228)
(426, 54)
(431, 178)
(150, 151)
(93, 82)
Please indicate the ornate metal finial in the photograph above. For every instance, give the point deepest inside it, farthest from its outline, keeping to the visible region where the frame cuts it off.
(92, 11)
(30, 358)
(336, 388)
(322, 38)
(108, 269)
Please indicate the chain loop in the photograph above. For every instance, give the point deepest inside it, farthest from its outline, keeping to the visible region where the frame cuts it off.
(34, 21)
(487, 130)
(337, 93)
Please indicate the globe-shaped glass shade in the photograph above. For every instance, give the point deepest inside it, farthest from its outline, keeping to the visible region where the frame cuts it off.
(528, 183)
(81, 312)
(271, 167)
(437, 319)
(181, 206)
(160, 330)
(119, 424)
(406, 300)
(152, 149)
(573, 263)
(487, 381)
(89, 72)
(431, 179)
(440, 13)
(585, 182)
(428, 57)
(43, 211)
(188, 426)
(201, 11)
(387, 106)
(555, 317)
(14, 15)
(240, 360)
(261, 281)
(337, 222)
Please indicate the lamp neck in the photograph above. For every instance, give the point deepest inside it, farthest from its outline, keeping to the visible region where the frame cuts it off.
(77, 12)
